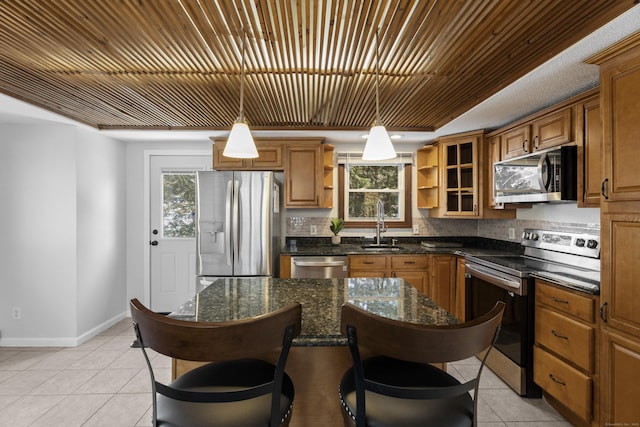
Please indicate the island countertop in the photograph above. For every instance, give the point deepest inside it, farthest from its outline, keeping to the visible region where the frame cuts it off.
(237, 298)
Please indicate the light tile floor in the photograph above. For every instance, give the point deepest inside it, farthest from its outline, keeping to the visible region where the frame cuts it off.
(104, 382)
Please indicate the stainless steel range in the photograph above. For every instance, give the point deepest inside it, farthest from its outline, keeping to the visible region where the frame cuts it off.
(567, 259)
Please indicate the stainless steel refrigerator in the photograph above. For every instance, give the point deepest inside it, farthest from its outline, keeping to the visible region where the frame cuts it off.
(238, 225)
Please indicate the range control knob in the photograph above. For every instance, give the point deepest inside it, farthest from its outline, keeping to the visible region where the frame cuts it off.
(580, 243)
(592, 244)
(526, 235)
(534, 236)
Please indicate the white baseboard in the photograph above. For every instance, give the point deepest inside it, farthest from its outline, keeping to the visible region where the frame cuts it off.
(61, 341)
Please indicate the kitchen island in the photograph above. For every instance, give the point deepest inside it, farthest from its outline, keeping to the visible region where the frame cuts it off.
(320, 355)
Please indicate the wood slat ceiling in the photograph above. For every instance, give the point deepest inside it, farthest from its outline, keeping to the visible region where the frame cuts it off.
(165, 64)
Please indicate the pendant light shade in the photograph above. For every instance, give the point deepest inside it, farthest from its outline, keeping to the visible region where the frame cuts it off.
(378, 146)
(240, 143)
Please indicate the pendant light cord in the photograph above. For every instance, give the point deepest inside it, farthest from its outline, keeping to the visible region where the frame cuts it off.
(241, 115)
(377, 80)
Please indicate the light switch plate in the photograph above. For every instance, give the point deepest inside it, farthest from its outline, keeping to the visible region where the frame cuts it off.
(512, 234)
(416, 229)
(314, 230)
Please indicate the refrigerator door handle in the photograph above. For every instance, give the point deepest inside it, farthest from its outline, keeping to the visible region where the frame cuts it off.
(236, 220)
(266, 204)
(227, 222)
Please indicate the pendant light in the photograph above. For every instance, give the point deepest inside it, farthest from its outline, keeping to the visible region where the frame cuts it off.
(378, 145)
(240, 143)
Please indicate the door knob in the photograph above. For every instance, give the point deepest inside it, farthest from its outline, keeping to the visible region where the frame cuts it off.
(153, 242)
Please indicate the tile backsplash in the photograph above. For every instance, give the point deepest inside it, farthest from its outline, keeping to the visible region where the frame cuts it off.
(303, 226)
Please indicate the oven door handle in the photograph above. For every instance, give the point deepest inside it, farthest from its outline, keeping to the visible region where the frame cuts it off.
(495, 278)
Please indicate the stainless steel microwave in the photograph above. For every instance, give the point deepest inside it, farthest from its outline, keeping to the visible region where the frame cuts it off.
(545, 176)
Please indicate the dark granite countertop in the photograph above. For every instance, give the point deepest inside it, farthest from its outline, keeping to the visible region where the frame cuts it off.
(412, 245)
(350, 249)
(321, 299)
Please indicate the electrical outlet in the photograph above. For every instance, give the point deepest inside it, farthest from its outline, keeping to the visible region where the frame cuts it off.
(416, 229)
(512, 234)
(17, 313)
(314, 230)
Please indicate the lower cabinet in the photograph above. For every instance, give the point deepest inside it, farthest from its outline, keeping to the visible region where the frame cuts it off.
(620, 371)
(368, 266)
(433, 275)
(564, 358)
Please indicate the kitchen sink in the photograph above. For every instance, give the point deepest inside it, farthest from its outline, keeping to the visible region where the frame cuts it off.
(381, 247)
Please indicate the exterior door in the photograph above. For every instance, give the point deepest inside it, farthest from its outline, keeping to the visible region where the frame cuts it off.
(172, 231)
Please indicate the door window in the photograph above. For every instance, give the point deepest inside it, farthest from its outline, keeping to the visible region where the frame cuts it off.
(178, 204)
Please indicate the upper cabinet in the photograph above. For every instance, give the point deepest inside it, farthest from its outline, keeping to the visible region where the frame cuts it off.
(620, 102)
(427, 170)
(456, 186)
(460, 175)
(588, 115)
(308, 167)
(308, 170)
(269, 157)
(550, 130)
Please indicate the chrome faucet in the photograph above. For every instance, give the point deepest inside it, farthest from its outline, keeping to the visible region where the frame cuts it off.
(380, 227)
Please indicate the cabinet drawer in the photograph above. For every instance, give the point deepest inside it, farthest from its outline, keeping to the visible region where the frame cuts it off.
(362, 262)
(568, 385)
(566, 337)
(566, 301)
(409, 262)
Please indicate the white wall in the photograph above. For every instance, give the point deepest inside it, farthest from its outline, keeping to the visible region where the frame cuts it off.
(59, 185)
(101, 225)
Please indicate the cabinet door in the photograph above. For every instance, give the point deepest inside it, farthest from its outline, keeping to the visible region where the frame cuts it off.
(553, 129)
(494, 155)
(417, 279)
(516, 142)
(620, 96)
(304, 173)
(460, 293)
(590, 162)
(269, 157)
(620, 390)
(619, 290)
(460, 177)
(413, 269)
(221, 162)
(443, 280)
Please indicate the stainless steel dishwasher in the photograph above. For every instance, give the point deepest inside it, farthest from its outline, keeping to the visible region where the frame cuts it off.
(318, 267)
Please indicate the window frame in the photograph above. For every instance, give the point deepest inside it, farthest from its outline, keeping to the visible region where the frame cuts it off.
(408, 217)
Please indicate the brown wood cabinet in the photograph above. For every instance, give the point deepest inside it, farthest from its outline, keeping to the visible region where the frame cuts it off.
(269, 157)
(428, 177)
(459, 308)
(565, 359)
(463, 186)
(589, 152)
(369, 266)
(620, 232)
(442, 280)
(308, 170)
(414, 269)
(550, 130)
